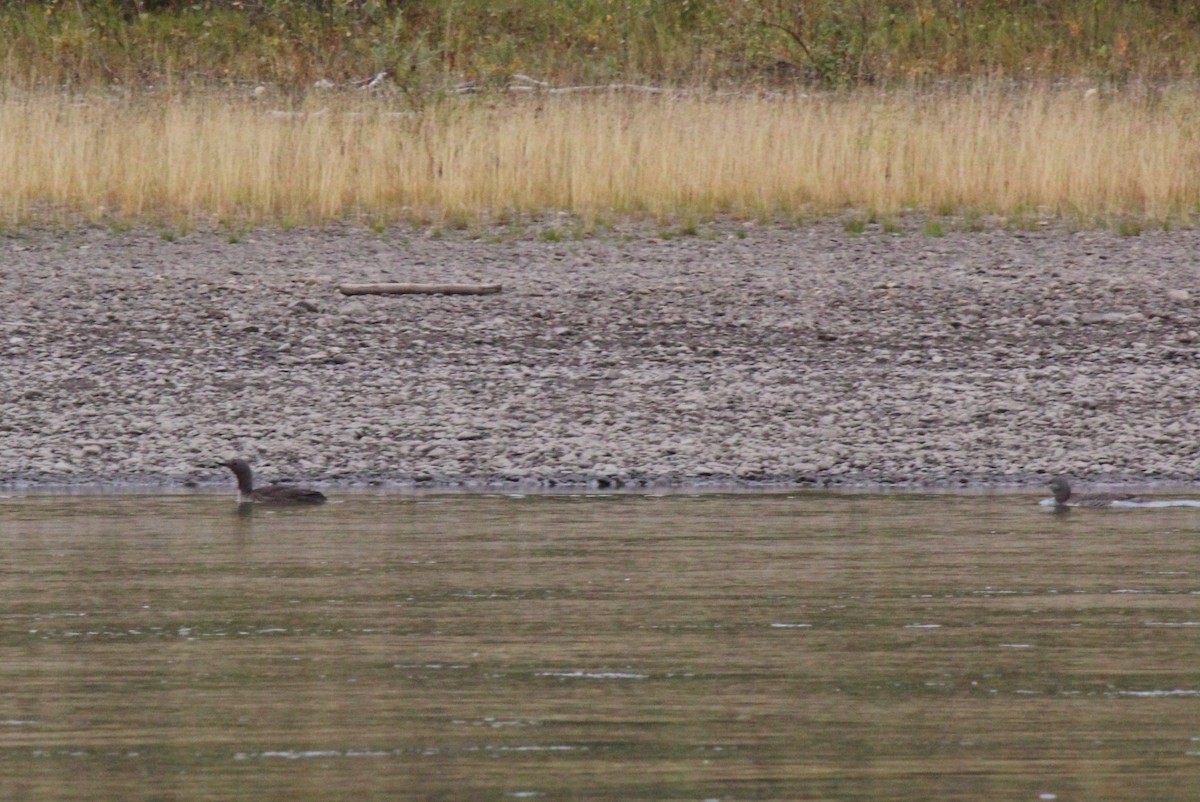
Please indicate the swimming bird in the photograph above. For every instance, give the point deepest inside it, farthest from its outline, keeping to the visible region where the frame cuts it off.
(1063, 498)
(271, 494)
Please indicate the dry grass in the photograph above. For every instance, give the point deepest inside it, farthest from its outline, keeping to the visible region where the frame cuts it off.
(210, 160)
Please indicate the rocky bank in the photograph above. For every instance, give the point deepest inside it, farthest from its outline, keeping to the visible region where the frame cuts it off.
(743, 355)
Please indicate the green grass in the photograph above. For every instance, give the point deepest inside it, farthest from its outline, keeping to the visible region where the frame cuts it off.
(973, 220)
(430, 45)
(270, 54)
(933, 228)
(1130, 227)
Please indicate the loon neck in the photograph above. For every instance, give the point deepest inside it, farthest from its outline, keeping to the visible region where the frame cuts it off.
(1062, 490)
(245, 479)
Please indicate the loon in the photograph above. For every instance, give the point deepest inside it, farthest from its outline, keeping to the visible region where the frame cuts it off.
(1062, 496)
(271, 494)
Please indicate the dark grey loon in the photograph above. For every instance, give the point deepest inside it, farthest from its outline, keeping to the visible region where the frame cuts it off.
(271, 494)
(1063, 498)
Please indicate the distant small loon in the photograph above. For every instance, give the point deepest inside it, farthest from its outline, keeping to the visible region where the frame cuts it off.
(1062, 496)
(271, 494)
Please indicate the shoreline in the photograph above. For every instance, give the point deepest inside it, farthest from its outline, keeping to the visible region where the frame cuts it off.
(1166, 488)
(758, 357)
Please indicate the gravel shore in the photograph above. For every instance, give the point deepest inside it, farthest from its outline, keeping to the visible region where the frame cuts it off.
(800, 355)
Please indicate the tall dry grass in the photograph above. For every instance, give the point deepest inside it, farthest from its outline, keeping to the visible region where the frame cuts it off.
(986, 152)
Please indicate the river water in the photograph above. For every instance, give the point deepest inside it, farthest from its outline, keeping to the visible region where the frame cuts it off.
(628, 647)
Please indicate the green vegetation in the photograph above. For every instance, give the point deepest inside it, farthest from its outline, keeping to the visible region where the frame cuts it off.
(1020, 110)
(430, 45)
(1129, 227)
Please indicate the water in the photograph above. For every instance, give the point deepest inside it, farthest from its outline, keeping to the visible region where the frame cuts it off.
(712, 647)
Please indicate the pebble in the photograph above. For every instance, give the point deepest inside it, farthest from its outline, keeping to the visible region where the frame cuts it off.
(693, 360)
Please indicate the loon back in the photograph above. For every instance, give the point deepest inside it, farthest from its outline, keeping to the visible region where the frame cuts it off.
(271, 494)
(1102, 499)
(1064, 498)
(280, 494)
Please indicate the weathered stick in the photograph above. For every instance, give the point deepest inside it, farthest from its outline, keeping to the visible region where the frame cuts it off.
(419, 289)
(566, 90)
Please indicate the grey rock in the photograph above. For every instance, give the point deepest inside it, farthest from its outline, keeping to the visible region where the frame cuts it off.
(971, 361)
(1102, 317)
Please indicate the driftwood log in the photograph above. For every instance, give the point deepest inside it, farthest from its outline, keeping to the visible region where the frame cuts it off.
(419, 289)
